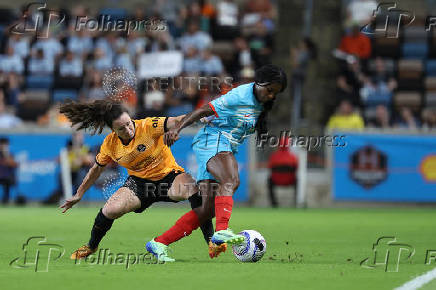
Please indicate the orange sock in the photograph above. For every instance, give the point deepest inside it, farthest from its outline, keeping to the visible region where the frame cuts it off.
(223, 211)
(182, 228)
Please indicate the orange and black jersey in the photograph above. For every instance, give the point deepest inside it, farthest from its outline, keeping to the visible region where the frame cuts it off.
(146, 156)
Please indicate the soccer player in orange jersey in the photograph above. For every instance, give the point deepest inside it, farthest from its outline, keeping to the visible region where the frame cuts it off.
(154, 175)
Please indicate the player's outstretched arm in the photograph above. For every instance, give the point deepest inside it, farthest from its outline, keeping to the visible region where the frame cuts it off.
(173, 122)
(173, 134)
(93, 174)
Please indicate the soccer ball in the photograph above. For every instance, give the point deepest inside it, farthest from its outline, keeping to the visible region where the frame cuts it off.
(252, 249)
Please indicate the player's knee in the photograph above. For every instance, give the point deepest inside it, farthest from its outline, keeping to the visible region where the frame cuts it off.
(231, 184)
(113, 211)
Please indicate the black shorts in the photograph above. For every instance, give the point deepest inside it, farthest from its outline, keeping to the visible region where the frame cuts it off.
(149, 191)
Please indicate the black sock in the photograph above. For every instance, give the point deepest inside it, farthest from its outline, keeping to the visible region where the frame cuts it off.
(207, 227)
(101, 225)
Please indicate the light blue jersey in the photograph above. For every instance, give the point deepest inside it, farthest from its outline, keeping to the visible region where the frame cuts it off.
(236, 114)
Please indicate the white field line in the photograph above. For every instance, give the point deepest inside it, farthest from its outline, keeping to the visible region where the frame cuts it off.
(419, 281)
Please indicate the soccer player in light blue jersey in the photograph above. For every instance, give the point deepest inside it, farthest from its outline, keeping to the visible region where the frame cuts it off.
(236, 115)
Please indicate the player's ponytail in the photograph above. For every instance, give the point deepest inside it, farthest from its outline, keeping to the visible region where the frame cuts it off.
(94, 116)
(266, 75)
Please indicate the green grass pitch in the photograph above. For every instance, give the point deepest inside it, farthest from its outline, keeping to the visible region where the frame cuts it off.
(306, 249)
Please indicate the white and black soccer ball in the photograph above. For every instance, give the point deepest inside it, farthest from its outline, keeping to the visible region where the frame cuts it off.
(252, 249)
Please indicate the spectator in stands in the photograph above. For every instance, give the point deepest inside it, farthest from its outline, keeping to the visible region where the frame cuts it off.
(8, 168)
(283, 165)
(11, 62)
(195, 38)
(261, 45)
(94, 89)
(20, 44)
(241, 57)
(382, 118)
(40, 64)
(136, 44)
(182, 99)
(301, 55)
(12, 89)
(101, 62)
(210, 63)
(80, 44)
(261, 7)
(50, 46)
(227, 20)
(169, 10)
(71, 65)
(406, 119)
(356, 43)
(380, 85)
(107, 44)
(428, 118)
(123, 59)
(345, 118)
(360, 12)
(153, 103)
(191, 61)
(349, 83)
(7, 118)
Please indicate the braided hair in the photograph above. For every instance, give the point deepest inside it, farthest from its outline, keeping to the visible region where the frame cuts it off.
(95, 115)
(264, 76)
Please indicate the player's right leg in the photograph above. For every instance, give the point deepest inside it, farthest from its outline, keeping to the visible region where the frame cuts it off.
(224, 168)
(121, 202)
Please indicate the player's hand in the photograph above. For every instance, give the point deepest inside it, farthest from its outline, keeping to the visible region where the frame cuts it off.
(70, 202)
(171, 136)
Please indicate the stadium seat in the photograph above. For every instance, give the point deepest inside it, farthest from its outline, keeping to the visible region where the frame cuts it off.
(414, 34)
(389, 65)
(369, 113)
(407, 99)
(430, 68)
(430, 99)
(410, 69)
(114, 13)
(61, 95)
(37, 94)
(378, 99)
(68, 83)
(430, 84)
(39, 82)
(386, 47)
(412, 50)
(31, 109)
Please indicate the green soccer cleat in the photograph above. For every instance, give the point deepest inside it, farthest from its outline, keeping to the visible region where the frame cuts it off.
(159, 250)
(226, 236)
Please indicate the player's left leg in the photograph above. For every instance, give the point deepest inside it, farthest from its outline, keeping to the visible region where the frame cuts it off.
(121, 202)
(184, 187)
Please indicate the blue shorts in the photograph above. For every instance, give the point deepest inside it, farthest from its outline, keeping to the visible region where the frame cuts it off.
(205, 147)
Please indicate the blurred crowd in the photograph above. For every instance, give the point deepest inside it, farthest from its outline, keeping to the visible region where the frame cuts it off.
(224, 39)
(381, 82)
